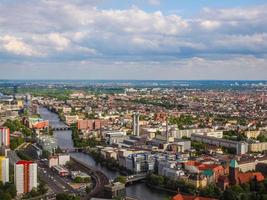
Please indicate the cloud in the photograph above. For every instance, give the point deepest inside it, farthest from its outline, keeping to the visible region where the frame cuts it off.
(79, 31)
(16, 46)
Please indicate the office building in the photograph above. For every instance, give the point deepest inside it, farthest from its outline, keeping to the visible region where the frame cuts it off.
(25, 176)
(4, 169)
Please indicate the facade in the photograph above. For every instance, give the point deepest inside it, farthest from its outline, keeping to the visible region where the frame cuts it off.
(52, 161)
(4, 169)
(115, 137)
(63, 159)
(136, 124)
(141, 162)
(257, 147)
(241, 147)
(91, 124)
(4, 136)
(25, 176)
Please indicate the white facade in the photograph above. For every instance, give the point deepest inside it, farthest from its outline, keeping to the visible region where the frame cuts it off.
(4, 169)
(18, 176)
(25, 172)
(63, 159)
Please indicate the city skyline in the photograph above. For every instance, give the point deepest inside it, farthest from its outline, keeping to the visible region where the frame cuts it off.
(133, 40)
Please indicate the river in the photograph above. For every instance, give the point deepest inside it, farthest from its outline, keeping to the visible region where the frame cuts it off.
(138, 190)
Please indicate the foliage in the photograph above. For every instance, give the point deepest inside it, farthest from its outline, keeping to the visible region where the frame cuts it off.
(7, 191)
(183, 120)
(81, 180)
(15, 142)
(80, 142)
(234, 135)
(64, 196)
(121, 179)
(23, 156)
(16, 125)
(45, 154)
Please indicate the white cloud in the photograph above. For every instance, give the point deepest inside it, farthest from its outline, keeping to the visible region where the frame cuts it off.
(16, 46)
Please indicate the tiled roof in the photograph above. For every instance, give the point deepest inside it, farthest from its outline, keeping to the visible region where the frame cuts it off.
(188, 197)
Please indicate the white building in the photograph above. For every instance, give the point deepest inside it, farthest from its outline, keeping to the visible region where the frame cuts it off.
(25, 175)
(4, 169)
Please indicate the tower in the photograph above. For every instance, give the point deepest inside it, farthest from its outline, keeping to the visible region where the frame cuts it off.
(4, 169)
(4, 136)
(167, 130)
(25, 176)
(136, 124)
(233, 172)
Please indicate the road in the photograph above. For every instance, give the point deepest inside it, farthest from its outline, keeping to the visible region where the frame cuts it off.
(99, 178)
(54, 181)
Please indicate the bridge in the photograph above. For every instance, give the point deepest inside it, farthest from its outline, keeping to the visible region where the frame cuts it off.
(136, 177)
(64, 128)
(73, 150)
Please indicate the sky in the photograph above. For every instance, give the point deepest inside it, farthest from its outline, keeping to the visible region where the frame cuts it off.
(133, 39)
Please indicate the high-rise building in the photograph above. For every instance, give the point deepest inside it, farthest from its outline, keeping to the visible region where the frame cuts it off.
(25, 176)
(4, 169)
(4, 136)
(136, 124)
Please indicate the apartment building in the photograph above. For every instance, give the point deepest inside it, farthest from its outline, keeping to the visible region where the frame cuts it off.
(4, 136)
(25, 175)
(4, 169)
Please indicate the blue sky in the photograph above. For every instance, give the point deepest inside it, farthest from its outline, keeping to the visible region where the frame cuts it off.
(134, 39)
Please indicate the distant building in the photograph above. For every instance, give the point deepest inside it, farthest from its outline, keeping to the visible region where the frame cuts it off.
(239, 146)
(136, 124)
(90, 124)
(4, 169)
(25, 176)
(4, 136)
(61, 159)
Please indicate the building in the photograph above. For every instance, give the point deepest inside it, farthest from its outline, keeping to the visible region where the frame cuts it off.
(25, 175)
(4, 169)
(115, 137)
(52, 161)
(252, 134)
(4, 136)
(78, 174)
(90, 124)
(239, 146)
(136, 124)
(257, 146)
(61, 159)
(47, 143)
(114, 190)
(190, 197)
(237, 178)
(140, 162)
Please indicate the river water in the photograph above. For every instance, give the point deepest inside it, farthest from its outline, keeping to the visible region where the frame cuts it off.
(138, 190)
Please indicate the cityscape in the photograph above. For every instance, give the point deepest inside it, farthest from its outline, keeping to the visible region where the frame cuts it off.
(133, 100)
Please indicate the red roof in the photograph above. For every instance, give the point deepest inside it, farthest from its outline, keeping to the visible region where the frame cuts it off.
(246, 177)
(24, 162)
(189, 197)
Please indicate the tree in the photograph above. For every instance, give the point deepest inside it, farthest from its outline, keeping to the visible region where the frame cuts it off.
(121, 179)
